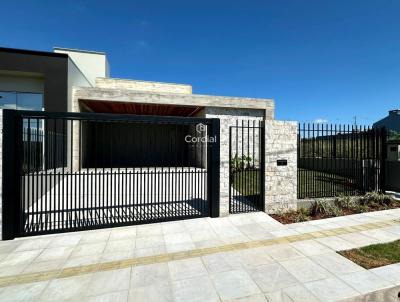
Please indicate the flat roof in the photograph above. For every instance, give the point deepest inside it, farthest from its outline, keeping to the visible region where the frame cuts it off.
(80, 50)
(33, 52)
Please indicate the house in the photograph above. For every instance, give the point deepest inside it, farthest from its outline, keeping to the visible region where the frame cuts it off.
(158, 134)
(391, 123)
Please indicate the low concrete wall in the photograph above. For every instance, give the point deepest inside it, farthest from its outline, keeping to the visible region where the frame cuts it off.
(392, 176)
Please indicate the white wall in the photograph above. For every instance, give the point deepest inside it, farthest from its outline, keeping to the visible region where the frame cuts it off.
(91, 64)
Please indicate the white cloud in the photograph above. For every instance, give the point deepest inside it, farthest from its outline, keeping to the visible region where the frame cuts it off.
(321, 121)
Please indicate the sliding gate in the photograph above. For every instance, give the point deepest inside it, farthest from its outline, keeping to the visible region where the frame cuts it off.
(246, 167)
(76, 171)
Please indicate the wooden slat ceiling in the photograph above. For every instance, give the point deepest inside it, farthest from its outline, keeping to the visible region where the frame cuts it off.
(139, 109)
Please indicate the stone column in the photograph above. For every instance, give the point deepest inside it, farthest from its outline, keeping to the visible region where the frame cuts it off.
(280, 181)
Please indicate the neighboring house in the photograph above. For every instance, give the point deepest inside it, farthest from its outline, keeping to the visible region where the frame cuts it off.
(70, 80)
(391, 123)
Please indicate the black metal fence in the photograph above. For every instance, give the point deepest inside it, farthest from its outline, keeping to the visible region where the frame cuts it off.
(246, 166)
(339, 159)
(71, 171)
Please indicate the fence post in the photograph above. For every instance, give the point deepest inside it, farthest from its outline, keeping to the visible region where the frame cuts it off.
(213, 169)
(11, 177)
(383, 134)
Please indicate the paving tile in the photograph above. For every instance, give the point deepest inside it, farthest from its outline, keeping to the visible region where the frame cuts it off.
(149, 251)
(310, 247)
(109, 281)
(173, 228)
(83, 260)
(263, 235)
(336, 264)
(9, 246)
(22, 292)
(234, 284)
(157, 292)
(299, 293)
(251, 228)
(178, 247)
(88, 249)
(33, 244)
(95, 236)
(358, 239)
(20, 258)
(390, 273)
(114, 256)
(121, 245)
(284, 233)
(331, 289)
(149, 241)
(123, 233)
(64, 240)
(121, 296)
(149, 230)
(336, 243)
(146, 275)
(252, 298)
(187, 268)
(13, 269)
(255, 257)
(195, 289)
(216, 263)
(272, 277)
(282, 252)
(277, 296)
(57, 253)
(43, 266)
(382, 236)
(201, 235)
(71, 288)
(365, 281)
(208, 243)
(305, 270)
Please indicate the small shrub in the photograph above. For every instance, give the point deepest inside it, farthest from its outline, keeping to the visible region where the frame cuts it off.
(321, 207)
(302, 215)
(345, 202)
(375, 198)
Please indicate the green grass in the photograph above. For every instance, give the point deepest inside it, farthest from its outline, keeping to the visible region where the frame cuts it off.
(375, 255)
(321, 184)
(247, 182)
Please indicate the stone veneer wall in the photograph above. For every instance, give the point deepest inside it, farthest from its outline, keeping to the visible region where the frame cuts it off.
(280, 181)
(143, 85)
(228, 117)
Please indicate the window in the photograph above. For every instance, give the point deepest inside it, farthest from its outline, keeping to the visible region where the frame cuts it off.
(21, 100)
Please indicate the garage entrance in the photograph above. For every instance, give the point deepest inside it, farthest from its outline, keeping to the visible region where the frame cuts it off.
(76, 171)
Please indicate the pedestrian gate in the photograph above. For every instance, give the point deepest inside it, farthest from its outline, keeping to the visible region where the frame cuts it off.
(246, 167)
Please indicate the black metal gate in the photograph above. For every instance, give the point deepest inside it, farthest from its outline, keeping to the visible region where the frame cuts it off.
(246, 167)
(76, 171)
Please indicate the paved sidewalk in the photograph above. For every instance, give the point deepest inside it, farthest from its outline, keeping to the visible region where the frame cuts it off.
(243, 257)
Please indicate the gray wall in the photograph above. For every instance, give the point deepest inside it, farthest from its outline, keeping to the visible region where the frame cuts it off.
(392, 176)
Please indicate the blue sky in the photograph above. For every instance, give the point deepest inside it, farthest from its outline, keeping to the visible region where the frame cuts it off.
(327, 60)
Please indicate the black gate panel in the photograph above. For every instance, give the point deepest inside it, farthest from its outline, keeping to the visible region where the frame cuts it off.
(335, 160)
(246, 167)
(76, 171)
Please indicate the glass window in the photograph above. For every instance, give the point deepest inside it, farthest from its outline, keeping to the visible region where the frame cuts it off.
(8, 100)
(30, 101)
(21, 100)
